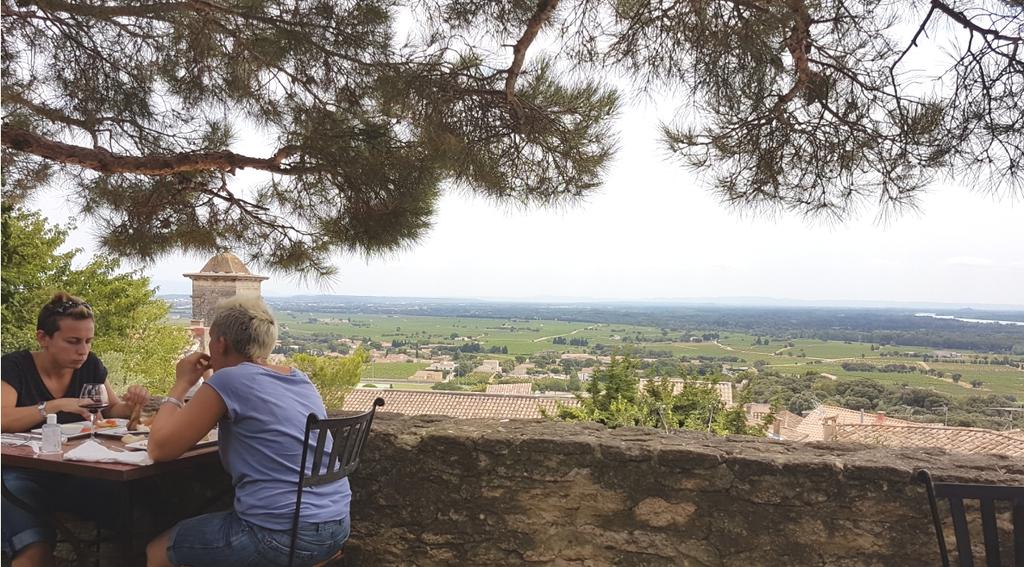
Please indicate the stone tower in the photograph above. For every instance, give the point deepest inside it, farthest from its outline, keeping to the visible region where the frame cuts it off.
(224, 276)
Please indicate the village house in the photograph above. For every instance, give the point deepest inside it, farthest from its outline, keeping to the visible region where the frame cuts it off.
(442, 365)
(489, 367)
(427, 376)
(520, 389)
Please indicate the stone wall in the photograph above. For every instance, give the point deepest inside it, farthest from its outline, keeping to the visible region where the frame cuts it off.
(207, 292)
(436, 491)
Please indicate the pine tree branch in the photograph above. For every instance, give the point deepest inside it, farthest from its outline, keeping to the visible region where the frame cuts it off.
(46, 112)
(799, 45)
(544, 10)
(965, 21)
(117, 10)
(104, 161)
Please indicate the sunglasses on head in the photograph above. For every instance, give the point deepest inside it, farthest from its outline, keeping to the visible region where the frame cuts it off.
(70, 305)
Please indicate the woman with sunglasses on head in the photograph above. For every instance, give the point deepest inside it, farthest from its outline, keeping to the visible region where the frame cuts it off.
(37, 383)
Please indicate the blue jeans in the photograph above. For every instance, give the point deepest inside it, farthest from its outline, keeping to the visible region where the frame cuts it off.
(222, 539)
(47, 493)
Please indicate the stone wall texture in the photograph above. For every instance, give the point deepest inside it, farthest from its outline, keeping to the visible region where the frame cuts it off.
(436, 491)
(208, 292)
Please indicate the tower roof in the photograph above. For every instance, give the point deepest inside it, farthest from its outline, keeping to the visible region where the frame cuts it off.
(225, 264)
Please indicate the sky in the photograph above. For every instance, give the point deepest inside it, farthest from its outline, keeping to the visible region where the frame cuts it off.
(654, 231)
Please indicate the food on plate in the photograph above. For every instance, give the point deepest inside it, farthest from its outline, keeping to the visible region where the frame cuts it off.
(132, 438)
(106, 423)
(143, 414)
(211, 436)
(133, 421)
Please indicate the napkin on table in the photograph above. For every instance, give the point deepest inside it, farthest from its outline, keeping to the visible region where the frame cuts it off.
(96, 453)
(21, 439)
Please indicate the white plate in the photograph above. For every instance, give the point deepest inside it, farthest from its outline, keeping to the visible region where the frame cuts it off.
(120, 423)
(210, 439)
(70, 430)
(120, 432)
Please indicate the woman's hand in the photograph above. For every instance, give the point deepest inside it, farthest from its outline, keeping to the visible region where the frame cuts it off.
(135, 396)
(191, 368)
(69, 405)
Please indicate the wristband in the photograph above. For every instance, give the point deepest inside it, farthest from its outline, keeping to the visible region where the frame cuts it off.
(175, 401)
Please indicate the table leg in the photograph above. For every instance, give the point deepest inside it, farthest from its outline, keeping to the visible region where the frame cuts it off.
(126, 531)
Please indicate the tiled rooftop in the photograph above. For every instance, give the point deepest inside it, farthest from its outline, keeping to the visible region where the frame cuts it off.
(521, 389)
(953, 439)
(789, 426)
(811, 426)
(456, 404)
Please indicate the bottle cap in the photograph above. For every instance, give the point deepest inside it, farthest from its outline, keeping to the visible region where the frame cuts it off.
(51, 418)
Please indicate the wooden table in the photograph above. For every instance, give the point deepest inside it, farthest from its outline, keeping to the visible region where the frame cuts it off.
(23, 457)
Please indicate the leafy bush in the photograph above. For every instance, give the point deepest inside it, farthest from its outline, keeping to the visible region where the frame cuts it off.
(615, 399)
(333, 376)
(133, 338)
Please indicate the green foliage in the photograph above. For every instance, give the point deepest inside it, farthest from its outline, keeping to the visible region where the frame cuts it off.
(803, 393)
(574, 384)
(614, 399)
(132, 337)
(365, 127)
(333, 376)
(449, 387)
(390, 370)
(472, 379)
(32, 271)
(549, 384)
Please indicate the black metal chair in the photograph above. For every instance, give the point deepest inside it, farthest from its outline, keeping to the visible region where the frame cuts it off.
(348, 435)
(987, 495)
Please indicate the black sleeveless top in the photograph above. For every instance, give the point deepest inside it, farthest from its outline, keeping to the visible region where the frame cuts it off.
(19, 370)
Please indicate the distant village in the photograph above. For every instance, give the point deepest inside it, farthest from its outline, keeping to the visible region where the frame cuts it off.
(512, 389)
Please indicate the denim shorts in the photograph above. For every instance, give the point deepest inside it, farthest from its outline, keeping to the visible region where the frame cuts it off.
(222, 539)
(47, 493)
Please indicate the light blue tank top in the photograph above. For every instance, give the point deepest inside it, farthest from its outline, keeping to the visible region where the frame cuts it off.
(261, 446)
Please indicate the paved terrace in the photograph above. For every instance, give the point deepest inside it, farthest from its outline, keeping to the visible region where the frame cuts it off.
(437, 491)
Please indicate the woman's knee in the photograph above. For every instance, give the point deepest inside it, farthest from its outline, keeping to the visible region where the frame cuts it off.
(37, 554)
(156, 551)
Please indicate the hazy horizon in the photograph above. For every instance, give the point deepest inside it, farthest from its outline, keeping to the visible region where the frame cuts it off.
(737, 301)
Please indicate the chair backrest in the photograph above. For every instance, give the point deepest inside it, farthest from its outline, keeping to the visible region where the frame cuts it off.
(347, 435)
(987, 495)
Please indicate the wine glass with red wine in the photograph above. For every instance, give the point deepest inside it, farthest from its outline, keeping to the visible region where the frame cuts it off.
(93, 398)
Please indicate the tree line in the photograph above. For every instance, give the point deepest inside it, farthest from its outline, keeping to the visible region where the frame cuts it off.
(802, 393)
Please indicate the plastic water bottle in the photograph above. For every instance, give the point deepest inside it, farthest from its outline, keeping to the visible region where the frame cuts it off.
(51, 435)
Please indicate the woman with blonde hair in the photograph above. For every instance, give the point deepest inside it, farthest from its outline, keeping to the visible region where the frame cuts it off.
(261, 409)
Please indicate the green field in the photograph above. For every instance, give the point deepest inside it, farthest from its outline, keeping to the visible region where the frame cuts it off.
(997, 379)
(404, 386)
(390, 370)
(529, 337)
